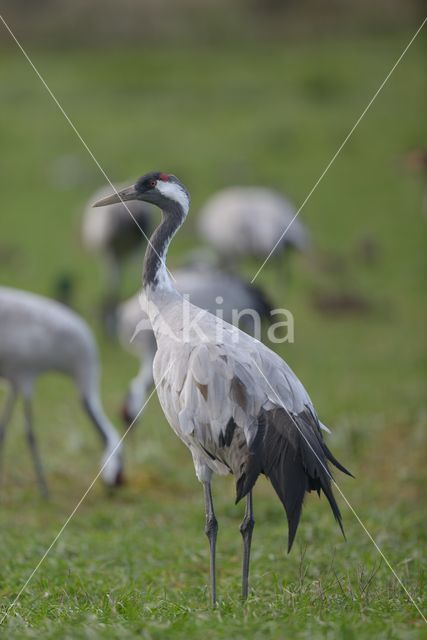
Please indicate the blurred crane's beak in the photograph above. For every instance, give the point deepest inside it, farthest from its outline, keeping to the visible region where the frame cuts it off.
(129, 193)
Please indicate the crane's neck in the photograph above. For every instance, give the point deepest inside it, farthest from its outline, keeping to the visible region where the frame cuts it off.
(155, 274)
(112, 466)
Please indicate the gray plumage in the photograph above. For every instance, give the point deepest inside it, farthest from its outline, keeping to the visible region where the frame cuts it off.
(39, 335)
(235, 378)
(248, 221)
(236, 404)
(208, 288)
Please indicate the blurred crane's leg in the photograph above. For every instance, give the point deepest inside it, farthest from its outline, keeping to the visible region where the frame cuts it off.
(4, 420)
(112, 295)
(246, 529)
(33, 446)
(211, 531)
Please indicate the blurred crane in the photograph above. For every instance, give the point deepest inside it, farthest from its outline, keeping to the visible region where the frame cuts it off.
(208, 288)
(235, 403)
(230, 222)
(38, 335)
(114, 234)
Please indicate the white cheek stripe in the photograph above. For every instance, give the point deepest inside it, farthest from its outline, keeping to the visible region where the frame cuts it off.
(174, 192)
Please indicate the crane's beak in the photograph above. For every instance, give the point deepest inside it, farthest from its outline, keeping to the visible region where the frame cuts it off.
(129, 193)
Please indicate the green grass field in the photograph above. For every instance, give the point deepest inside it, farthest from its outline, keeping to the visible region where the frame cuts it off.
(136, 564)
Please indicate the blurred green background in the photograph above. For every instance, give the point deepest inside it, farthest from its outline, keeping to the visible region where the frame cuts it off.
(220, 94)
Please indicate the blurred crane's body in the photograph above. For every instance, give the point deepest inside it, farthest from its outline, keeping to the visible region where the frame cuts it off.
(230, 222)
(235, 403)
(206, 287)
(39, 335)
(114, 233)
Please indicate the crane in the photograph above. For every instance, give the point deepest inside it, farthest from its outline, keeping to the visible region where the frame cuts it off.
(234, 402)
(230, 222)
(206, 287)
(114, 234)
(39, 335)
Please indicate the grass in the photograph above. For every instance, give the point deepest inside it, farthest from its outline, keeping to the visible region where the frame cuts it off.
(136, 563)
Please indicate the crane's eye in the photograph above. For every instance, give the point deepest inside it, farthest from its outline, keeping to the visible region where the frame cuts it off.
(152, 183)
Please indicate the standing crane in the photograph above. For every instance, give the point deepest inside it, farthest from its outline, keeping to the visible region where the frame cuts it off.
(230, 222)
(235, 403)
(39, 335)
(114, 234)
(206, 287)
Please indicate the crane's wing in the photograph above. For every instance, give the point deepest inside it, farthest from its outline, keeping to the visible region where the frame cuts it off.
(242, 406)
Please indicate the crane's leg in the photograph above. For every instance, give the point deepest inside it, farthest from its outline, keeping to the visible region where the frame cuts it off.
(112, 295)
(33, 446)
(211, 531)
(246, 529)
(4, 420)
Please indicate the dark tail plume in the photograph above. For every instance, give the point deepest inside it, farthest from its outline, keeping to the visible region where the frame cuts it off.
(261, 302)
(295, 460)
